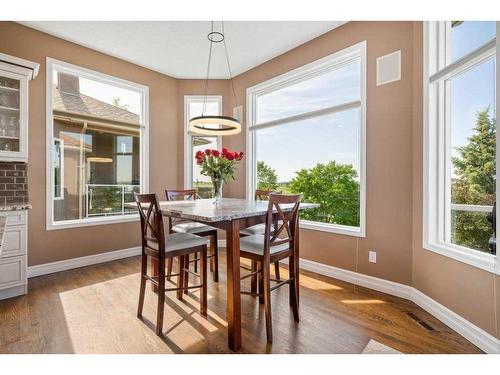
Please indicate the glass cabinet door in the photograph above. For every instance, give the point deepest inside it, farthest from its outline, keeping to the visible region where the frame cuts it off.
(10, 114)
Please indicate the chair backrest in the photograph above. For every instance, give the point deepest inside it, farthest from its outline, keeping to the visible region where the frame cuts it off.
(285, 223)
(263, 194)
(152, 233)
(173, 195)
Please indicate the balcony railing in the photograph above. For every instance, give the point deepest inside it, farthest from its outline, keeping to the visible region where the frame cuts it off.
(471, 208)
(470, 227)
(109, 199)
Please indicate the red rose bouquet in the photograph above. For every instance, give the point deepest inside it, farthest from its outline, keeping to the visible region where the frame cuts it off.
(219, 166)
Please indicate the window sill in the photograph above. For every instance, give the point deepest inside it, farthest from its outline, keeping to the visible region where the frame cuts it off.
(486, 262)
(333, 228)
(92, 222)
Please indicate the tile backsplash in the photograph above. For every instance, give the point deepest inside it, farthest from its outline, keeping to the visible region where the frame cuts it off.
(13, 183)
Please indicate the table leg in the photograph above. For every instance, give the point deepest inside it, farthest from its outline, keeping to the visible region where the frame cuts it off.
(154, 272)
(233, 286)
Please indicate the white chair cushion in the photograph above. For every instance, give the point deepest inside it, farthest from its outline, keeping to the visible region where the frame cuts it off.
(255, 244)
(178, 241)
(192, 227)
(256, 229)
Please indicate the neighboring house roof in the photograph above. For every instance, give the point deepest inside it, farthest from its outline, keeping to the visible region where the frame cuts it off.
(72, 142)
(88, 106)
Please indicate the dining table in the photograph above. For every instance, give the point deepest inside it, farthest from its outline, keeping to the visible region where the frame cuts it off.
(230, 215)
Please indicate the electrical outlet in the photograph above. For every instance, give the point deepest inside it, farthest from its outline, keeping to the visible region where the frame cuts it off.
(372, 256)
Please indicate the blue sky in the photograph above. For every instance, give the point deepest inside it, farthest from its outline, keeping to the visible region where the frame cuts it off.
(474, 89)
(303, 144)
(291, 147)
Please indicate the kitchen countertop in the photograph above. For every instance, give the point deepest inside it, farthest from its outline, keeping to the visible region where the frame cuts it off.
(16, 207)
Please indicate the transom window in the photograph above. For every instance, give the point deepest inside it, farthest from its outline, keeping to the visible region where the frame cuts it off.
(460, 143)
(193, 106)
(306, 134)
(96, 137)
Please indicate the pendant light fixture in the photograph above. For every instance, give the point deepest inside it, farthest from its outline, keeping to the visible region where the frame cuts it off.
(211, 124)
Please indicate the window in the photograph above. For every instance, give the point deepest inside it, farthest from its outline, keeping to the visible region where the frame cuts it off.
(460, 140)
(306, 134)
(96, 132)
(193, 106)
(58, 168)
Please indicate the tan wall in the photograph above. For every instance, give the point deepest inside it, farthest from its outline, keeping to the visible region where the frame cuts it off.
(467, 290)
(389, 154)
(47, 246)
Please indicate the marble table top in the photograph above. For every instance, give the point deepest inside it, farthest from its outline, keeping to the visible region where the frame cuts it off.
(226, 209)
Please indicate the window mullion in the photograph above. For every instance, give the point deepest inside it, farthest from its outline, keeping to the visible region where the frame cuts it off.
(476, 57)
(308, 115)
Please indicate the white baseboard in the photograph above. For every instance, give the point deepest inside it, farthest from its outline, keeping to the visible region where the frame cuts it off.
(68, 264)
(462, 326)
(471, 332)
(13, 292)
(385, 286)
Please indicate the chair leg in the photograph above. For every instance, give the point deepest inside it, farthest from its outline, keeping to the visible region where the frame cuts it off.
(211, 251)
(203, 277)
(216, 258)
(196, 262)
(261, 284)
(169, 268)
(253, 285)
(142, 290)
(277, 270)
(186, 273)
(293, 289)
(267, 300)
(180, 279)
(161, 299)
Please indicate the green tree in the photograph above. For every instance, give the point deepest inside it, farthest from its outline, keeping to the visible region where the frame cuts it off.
(475, 183)
(334, 187)
(117, 102)
(267, 179)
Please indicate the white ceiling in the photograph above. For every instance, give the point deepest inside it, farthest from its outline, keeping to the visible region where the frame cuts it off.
(180, 48)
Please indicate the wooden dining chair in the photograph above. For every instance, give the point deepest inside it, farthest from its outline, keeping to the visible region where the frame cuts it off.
(200, 229)
(275, 245)
(260, 195)
(156, 246)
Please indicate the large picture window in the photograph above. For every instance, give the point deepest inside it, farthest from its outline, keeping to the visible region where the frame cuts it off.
(96, 137)
(306, 134)
(460, 141)
(193, 106)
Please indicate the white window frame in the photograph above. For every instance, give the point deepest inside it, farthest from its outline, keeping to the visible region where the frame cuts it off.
(61, 162)
(308, 71)
(436, 171)
(61, 66)
(188, 136)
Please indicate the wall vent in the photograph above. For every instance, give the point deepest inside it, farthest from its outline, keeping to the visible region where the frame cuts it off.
(420, 322)
(389, 68)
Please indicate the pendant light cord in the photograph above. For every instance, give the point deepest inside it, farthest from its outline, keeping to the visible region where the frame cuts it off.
(208, 74)
(229, 65)
(208, 69)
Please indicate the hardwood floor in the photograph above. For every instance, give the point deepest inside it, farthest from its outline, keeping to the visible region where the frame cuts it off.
(93, 310)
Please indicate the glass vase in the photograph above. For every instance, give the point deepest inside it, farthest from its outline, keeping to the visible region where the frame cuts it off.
(217, 186)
